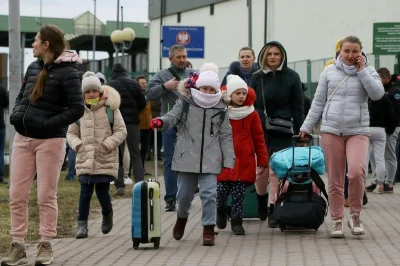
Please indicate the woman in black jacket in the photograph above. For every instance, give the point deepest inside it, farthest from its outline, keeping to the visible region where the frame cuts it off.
(280, 95)
(49, 101)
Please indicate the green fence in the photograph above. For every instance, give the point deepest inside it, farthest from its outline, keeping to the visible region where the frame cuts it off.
(310, 70)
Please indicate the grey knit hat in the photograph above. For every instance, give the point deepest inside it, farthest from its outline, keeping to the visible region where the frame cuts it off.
(91, 82)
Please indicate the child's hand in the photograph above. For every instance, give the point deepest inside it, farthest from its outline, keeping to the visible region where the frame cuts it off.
(260, 170)
(156, 123)
(228, 171)
(78, 147)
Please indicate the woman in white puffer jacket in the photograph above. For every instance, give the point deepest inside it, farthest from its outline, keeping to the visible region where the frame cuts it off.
(341, 103)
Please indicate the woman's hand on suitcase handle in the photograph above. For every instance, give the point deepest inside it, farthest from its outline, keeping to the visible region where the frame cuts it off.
(156, 123)
(304, 135)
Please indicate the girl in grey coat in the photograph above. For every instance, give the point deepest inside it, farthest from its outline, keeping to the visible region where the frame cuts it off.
(204, 146)
(341, 102)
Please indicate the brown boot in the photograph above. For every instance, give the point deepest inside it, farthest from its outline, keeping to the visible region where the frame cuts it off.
(209, 235)
(179, 228)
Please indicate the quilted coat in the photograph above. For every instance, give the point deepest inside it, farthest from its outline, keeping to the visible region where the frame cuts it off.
(98, 151)
(347, 112)
(248, 141)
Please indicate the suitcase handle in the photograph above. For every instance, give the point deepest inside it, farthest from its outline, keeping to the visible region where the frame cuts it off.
(297, 139)
(155, 154)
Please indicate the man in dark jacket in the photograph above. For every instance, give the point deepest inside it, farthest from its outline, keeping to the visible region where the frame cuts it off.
(132, 102)
(392, 89)
(3, 105)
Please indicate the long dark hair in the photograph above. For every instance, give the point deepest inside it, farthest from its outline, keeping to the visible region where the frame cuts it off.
(57, 45)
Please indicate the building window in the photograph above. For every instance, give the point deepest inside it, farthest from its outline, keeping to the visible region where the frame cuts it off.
(179, 17)
(212, 9)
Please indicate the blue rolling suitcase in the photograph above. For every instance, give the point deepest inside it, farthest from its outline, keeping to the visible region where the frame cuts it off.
(146, 209)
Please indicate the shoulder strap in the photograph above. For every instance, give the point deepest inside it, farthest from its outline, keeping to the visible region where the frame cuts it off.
(185, 110)
(174, 74)
(110, 115)
(263, 98)
(222, 116)
(320, 184)
(337, 87)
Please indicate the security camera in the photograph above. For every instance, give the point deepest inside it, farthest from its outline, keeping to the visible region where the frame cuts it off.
(146, 25)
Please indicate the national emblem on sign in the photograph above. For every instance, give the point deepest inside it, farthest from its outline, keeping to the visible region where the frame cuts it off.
(183, 38)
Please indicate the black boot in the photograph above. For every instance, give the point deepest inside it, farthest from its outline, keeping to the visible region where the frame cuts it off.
(107, 223)
(365, 199)
(236, 225)
(82, 231)
(222, 217)
(271, 220)
(262, 206)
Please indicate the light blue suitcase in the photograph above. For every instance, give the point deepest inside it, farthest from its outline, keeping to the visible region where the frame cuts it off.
(146, 209)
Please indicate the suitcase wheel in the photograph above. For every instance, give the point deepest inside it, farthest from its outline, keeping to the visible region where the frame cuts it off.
(135, 244)
(282, 227)
(156, 245)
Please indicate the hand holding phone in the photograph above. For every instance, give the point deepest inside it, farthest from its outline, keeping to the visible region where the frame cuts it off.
(360, 63)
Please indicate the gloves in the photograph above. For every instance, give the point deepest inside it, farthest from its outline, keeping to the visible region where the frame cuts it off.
(156, 123)
(228, 171)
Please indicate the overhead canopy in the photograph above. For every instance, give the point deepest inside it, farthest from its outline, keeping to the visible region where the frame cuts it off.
(78, 31)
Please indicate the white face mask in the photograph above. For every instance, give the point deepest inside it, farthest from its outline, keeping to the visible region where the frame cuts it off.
(205, 100)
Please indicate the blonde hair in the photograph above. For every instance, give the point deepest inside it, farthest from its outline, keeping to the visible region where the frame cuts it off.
(264, 58)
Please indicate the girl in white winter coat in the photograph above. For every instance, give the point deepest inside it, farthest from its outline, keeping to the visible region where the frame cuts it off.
(95, 138)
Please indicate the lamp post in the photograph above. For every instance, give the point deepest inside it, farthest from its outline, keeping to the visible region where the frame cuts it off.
(122, 40)
(94, 39)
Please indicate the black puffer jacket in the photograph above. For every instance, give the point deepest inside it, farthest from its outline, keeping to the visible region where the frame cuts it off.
(393, 92)
(3, 104)
(60, 105)
(283, 97)
(132, 97)
(382, 114)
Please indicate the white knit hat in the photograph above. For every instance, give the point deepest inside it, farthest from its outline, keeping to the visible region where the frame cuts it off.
(208, 76)
(234, 82)
(91, 82)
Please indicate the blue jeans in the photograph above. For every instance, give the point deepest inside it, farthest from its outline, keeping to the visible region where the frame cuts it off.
(2, 140)
(71, 165)
(170, 178)
(187, 184)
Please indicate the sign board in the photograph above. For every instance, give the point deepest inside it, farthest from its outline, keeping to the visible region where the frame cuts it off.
(386, 38)
(191, 37)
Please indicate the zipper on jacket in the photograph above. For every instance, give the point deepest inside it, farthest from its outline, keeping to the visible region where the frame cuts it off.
(202, 142)
(23, 119)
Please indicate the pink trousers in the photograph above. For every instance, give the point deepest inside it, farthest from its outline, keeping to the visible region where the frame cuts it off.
(44, 156)
(336, 150)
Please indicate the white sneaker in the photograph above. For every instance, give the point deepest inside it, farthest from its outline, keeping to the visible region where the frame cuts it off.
(355, 225)
(128, 181)
(337, 230)
(378, 190)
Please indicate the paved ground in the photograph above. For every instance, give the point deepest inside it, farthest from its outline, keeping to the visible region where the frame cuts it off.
(260, 245)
